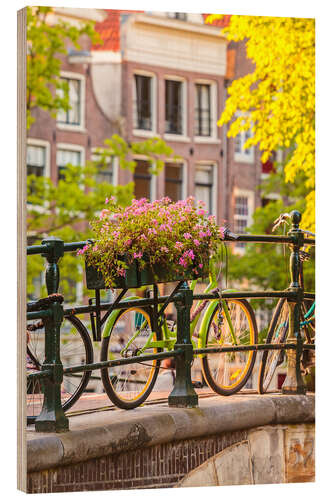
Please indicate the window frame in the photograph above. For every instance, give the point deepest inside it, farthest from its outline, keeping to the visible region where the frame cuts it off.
(82, 79)
(213, 165)
(168, 135)
(183, 166)
(153, 88)
(114, 164)
(42, 144)
(246, 193)
(70, 147)
(153, 178)
(241, 156)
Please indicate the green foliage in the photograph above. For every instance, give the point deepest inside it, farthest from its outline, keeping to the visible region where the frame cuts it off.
(47, 38)
(266, 266)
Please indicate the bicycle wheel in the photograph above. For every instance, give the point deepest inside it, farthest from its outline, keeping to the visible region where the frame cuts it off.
(226, 373)
(128, 386)
(277, 333)
(75, 349)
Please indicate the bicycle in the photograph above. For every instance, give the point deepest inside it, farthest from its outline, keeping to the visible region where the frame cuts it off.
(75, 348)
(128, 332)
(279, 327)
(225, 322)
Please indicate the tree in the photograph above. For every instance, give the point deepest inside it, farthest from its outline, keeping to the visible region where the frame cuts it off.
(277, 100)
(266, 266)
(63, 209)
(45, 41)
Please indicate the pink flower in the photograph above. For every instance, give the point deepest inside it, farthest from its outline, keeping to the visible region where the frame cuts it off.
(104, 213)
(137, 255)
(201, 266)
(187, 236)
(201, 211)
(178, 245)
(189, 253)
(82, 250)
(182, 262)
(196, 242)
(165, 249)
(128, 242)
(202, 234)
(221, 231)
(121, 272)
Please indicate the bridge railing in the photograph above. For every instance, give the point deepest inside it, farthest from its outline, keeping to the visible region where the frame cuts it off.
(52, 417)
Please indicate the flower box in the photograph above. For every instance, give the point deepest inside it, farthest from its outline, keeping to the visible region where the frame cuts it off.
(148, 243)
(136, 278)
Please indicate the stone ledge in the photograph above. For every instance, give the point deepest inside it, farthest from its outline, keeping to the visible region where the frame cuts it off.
(105, 433)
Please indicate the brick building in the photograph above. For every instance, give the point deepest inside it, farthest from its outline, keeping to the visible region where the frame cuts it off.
(156, 74)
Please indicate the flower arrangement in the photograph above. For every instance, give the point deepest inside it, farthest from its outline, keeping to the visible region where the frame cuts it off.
(177, 237)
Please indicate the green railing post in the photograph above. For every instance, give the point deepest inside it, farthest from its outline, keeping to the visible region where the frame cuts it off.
(183, 393)
(52, 417)
(293, 383)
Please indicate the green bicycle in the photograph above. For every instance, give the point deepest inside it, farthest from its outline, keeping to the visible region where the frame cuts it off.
(128, 332)
(279, 327)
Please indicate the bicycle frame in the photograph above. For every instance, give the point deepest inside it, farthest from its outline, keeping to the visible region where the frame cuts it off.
(169, 337)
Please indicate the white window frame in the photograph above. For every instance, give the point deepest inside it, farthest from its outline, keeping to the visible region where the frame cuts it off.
(212, 139)
(141, 132)
(178, 137)
(212, 164)
(46, 145)
(114, 164)
(241, 156)
(251, 207)
(81, 127)
(71, 147)
(153, 183)
(183, 165)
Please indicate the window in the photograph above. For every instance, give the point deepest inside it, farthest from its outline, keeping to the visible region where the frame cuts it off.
(243, 155)
(143, 92)
(173, 107)
(204, 185)
(105, 169)
(242, 216)
(174, 181)
(177, 15)
(142, 180)
(202, 110)
(65, 157)
(74, 115)
(36, 160)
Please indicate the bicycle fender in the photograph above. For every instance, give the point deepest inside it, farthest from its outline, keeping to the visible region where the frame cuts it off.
(205, 321)
(113, 316)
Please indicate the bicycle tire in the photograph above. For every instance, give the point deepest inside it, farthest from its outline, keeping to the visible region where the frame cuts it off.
(124, 385)
(273, 357)
(69, 398)
(227, 362)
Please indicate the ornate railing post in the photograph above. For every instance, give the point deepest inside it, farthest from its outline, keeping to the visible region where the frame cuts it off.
(183, 393)
(293, 383)
(52, 417)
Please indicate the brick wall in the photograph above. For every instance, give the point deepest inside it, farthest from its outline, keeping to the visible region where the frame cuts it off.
(160, 466)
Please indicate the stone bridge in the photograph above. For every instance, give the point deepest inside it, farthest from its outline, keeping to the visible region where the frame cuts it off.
(243, 439)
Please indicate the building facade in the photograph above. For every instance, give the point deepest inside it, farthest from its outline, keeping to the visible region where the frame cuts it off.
(155, 75)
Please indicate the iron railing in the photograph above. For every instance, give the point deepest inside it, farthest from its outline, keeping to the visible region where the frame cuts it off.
(52, 417)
